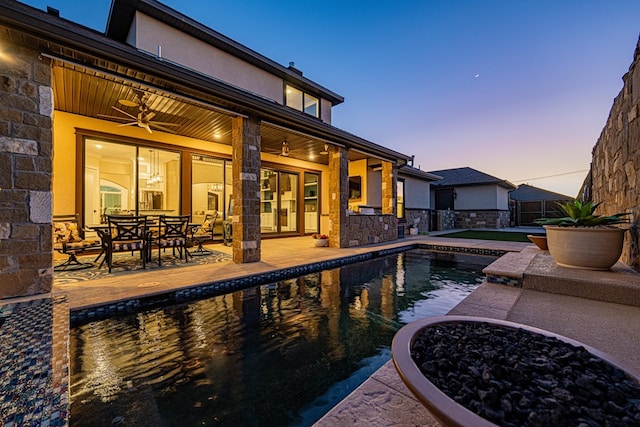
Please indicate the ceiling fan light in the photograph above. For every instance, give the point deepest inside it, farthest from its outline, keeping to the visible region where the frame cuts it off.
(285, 149)
(128, 103)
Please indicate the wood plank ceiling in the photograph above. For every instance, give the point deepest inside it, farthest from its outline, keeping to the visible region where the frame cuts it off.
(90, 93)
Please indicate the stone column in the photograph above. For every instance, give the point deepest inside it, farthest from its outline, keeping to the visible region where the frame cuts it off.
(246, 189)
(26, 115)
(389, 188)
(338, 196)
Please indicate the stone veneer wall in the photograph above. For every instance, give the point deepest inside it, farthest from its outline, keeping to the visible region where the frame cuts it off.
(615, 167)
(246, 190)
(417, 217)
(367, 229)
(482, 219)
(26, 110)
(446, 220)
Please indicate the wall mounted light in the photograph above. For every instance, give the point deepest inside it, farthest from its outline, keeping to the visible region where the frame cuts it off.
(326, 149)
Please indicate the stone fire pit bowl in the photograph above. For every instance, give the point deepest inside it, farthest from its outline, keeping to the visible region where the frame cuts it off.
(473, 371)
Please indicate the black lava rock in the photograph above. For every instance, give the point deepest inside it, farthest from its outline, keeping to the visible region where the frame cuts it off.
(514, 377)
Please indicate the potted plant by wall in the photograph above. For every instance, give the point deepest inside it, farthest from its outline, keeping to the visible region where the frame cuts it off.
(582, 239)
(320, 240)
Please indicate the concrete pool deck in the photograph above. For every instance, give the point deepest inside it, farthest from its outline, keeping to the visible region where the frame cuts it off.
(573, 303)
(382, 400)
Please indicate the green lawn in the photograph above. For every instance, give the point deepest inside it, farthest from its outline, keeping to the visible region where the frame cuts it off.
(505, 236)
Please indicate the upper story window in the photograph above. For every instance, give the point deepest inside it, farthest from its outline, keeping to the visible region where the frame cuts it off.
(301, 101)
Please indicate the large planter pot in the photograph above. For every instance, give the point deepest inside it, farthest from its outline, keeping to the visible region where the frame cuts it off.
(539, 241)
(591, 248)
(461, 366)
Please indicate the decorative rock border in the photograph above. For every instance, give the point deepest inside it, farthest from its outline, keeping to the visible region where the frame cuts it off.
(34, 363)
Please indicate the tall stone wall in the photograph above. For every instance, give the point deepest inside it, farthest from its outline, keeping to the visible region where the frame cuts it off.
(615, 166)
(26, 109)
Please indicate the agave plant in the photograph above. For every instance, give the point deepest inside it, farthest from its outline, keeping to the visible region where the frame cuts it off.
(582, 215)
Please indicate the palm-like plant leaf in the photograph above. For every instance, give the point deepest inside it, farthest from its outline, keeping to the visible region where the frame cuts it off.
(580, 214)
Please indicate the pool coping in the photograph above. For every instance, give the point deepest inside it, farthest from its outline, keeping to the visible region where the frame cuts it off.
(189, 293)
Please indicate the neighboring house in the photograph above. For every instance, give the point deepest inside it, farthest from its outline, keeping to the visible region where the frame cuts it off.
(530, 203)
(468, 198)
(415, 193)
(413, 205)
(163, 115)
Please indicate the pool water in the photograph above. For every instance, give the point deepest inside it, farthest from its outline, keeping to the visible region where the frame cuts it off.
(281, 354)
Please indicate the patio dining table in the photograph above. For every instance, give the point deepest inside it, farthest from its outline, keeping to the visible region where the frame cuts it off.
(102, 230)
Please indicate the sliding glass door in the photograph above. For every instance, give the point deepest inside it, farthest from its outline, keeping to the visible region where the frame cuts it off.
(278, 201)
(130, 180)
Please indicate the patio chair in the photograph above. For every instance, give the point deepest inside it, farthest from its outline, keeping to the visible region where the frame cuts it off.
(68, 239)
(204, 233)
(172, 233)
(127, 234)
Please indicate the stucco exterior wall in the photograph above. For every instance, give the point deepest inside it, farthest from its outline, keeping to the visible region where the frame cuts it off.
(615, 167)
(147, 34)
(482, 197)
(416, 193)
(359, 168)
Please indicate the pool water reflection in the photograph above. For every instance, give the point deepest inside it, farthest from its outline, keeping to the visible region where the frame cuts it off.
(279, 354)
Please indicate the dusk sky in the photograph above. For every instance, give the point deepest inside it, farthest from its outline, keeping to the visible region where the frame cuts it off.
(517, 89)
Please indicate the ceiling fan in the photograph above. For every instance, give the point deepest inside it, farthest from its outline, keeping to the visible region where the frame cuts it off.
(144, 117)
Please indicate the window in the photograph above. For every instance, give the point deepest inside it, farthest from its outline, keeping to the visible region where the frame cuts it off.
(210, 187)
(298, 100)
(129, 179)
(355, 187)
(400, 205)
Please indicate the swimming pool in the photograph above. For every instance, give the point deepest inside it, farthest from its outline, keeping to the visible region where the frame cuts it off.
(280, 354)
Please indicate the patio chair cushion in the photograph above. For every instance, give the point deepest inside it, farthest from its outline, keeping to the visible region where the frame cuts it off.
(204, 229)
(65, 232)
(173, 241)
(83, 244)
(128, 245)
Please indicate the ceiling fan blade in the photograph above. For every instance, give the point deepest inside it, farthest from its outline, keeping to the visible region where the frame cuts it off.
(125, 113)
(162, 123)
(105, 116)
(149, 116)
(162, 128)
(127, 124)
(145, 126)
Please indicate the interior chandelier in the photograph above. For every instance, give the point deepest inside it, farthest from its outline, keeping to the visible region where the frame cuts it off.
(215, 187)
(154, 164)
